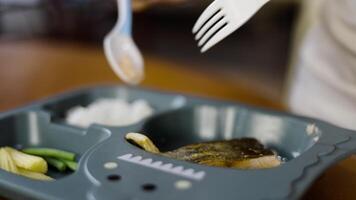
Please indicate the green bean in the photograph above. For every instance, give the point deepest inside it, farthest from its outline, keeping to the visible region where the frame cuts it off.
(58, 164)
(48, 152)
(70, 164)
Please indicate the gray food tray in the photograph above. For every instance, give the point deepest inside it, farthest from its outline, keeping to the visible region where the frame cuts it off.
(310, 146)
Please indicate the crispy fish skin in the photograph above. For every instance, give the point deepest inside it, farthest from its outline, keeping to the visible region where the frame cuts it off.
(245, 153)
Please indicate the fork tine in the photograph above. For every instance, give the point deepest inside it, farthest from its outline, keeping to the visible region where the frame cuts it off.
(221, 34)
(207, 13)
(211, 31)
(217, 17)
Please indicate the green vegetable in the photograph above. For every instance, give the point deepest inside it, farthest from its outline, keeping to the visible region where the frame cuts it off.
(28, 162)
(71, 164)
(58, 164)
(48, 152)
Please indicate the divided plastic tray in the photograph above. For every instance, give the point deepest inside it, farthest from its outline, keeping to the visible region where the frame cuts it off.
(310, 146)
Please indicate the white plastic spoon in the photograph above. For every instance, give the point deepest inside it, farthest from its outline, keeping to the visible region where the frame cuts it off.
(123, 55)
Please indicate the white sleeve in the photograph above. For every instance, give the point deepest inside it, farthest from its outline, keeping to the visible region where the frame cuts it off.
(324, 82)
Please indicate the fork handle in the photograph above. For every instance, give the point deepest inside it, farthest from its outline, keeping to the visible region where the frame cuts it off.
(125, 16)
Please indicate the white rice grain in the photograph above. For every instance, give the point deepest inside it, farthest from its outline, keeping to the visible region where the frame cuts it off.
(110, 112)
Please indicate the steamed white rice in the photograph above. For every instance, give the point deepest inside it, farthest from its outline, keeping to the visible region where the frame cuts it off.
(110, 112)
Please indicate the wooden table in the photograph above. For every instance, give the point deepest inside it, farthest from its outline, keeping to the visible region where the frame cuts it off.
(30, 70)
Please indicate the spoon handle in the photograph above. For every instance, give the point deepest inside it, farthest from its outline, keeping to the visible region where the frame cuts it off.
(125, 16)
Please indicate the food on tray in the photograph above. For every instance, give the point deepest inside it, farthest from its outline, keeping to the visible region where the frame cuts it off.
(6, 161)
(19, 163)
(32, 162)
(28, 162)
(59, 159)
(49, 152)
(110, 112)
(244, 153)
(59, 165)
(142, 141)
(70, 164)
(34, 175)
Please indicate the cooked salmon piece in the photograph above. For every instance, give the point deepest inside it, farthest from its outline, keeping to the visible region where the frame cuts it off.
(244, 153)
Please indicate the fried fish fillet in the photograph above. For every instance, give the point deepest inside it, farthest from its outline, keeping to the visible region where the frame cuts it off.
(245, 153)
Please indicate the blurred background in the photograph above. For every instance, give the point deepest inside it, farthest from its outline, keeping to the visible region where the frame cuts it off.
(250, 65)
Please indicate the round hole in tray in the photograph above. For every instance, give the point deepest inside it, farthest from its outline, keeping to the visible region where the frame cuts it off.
(149, 187)
(114, 177)
(189, 125)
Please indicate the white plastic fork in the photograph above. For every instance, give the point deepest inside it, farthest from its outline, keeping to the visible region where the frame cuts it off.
(123, 55)
(221, 18)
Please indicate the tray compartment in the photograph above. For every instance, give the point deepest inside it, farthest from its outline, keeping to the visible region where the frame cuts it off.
(160, 102)
(33, 128)
(288, 136)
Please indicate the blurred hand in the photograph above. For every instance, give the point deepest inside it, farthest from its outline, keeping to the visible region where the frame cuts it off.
(138, 5)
